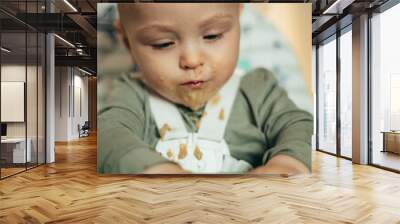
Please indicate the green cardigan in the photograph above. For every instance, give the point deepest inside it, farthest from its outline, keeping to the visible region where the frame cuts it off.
(263, 124)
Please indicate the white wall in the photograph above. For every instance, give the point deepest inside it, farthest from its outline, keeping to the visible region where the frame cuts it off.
(33, 126)
(79, 117)
(70, 83)
(12, 73)
(62, 81)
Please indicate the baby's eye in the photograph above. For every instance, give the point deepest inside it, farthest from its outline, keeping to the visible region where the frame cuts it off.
(162, 45)
(213, 36)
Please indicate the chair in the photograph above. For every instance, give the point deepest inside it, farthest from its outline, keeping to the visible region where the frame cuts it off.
(84, 130)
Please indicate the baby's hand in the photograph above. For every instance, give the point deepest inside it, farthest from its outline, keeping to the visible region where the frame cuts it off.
(282, 164)
(165, 168)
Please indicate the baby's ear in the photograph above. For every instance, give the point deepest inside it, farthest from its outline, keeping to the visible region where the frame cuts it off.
(121, 33)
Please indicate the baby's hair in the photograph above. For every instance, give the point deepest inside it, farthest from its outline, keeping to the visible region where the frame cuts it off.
(123, 10)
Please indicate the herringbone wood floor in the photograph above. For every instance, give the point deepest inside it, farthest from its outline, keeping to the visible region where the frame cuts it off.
(70, 191)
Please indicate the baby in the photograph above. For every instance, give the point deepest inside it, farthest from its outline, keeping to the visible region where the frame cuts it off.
(191, 110)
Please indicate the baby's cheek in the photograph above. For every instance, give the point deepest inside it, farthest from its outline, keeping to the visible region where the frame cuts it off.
(221, 72)
(161, 78)
(170, 89)
(198, 71)
(156, 80)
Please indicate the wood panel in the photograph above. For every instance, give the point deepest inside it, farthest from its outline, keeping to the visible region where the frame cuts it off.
(70, 191)
(391, 142)
(92, 99)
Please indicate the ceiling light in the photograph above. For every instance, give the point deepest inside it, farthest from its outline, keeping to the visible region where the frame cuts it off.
(70, 5)
(84, 71)
(5, 50)
(64, 40)
(337, 7)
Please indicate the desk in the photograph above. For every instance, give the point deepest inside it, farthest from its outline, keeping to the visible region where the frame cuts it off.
(13, 150)
(391, 141)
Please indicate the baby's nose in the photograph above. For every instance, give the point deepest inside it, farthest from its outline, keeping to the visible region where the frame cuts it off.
(191, 58)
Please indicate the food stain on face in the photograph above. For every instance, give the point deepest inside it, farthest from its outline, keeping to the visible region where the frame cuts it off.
(196, 98)
(215, 100)
(193, 99)
(189, 95)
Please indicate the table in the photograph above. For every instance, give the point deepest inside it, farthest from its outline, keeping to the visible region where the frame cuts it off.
(391, 141)
(13, 150)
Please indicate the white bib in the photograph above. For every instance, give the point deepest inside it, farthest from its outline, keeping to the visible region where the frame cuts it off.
(205, 151)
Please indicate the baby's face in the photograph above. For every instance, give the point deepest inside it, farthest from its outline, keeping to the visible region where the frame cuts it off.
(186, 52)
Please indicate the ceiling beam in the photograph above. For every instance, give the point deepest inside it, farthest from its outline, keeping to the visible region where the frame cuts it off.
(337, 7)
(81, 61)
(84, 24)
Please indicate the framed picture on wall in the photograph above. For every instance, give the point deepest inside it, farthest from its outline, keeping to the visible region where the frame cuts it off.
(12, 101)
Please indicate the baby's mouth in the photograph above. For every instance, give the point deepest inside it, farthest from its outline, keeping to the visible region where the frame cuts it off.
(194, 84)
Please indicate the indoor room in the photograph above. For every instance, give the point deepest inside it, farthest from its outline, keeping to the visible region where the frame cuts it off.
(86, 137)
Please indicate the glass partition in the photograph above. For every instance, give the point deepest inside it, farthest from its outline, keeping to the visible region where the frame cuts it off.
(22, 90)
(31, 100)
(14, 152)
(41, 91)
(327, 96)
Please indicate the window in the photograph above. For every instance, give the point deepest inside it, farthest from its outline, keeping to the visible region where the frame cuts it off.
(327, 96)
(346, 94)
(385, 89)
